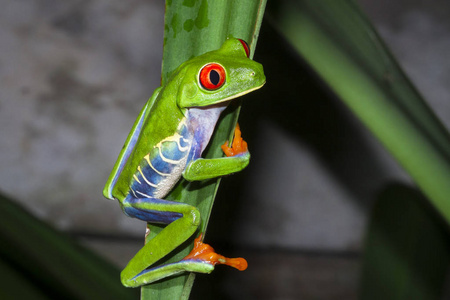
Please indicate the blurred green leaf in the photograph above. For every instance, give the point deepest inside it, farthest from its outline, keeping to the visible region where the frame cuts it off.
(37, 262)
(343, 48)
(407, 249)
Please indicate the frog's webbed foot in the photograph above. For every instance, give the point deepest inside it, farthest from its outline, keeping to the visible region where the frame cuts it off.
(238, 146)
(205, 253)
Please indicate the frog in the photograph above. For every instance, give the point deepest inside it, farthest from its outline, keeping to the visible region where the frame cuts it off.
(166, 144)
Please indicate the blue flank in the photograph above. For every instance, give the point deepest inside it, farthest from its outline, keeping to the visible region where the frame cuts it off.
(159, 164)
(147, 179)
(170, 150)
(183, 130)
(159, 170)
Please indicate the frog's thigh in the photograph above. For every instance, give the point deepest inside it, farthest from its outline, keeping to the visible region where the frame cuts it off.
(182, 219)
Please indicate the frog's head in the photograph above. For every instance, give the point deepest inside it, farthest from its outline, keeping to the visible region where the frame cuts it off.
(219, 76)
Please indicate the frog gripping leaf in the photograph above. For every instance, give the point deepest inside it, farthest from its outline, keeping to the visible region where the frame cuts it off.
(166, 143)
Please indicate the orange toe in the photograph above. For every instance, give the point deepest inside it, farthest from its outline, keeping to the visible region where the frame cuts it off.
(206, 253)
(238, 146)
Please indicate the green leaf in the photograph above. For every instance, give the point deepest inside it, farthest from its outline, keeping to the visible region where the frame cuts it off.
(407, 249)
(193, 28)
(37, 262)
(343, 48)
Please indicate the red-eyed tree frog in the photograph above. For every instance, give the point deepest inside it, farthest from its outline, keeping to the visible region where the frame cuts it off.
(166, 142)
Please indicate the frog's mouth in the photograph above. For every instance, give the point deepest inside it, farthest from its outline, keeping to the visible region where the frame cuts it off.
(228, 99)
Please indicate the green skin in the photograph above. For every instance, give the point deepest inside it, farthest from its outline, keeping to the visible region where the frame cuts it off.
(182, 101)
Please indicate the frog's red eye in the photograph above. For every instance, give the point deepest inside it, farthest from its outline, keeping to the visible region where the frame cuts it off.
(212, 76)
(246, 47)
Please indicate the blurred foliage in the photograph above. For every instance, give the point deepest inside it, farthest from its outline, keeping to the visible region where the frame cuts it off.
(37, 262)
(407, 249)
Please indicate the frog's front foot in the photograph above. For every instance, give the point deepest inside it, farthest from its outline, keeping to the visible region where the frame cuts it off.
(205, 253)
(238, 146)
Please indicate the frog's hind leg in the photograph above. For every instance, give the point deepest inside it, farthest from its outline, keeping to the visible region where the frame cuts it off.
(182, 219)
(201, 259)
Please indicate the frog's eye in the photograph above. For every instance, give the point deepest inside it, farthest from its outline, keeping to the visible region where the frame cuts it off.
(212, 76)
(246, 47)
